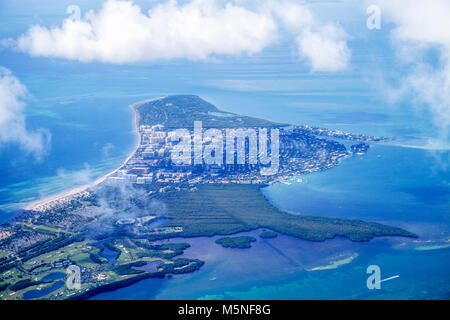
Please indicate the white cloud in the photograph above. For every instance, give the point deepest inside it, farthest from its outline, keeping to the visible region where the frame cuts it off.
(12, 118)
(79, 177)
(120, 32)
(325, 48)
(422, 28)
(419, 21)
(292, 15)
(107, 150)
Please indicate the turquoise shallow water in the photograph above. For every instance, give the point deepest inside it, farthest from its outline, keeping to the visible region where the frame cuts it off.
(395, 185)
(276, 268)
(85, 108)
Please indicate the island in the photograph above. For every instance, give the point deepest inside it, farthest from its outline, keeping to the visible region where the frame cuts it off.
(112, 230)
(242, 242)
(268, 234)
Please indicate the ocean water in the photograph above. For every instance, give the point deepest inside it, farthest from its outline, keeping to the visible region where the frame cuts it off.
(405, 187)
(416, 199)
(85, 107)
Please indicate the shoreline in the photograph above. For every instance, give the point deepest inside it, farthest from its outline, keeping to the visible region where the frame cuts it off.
(77, 190)
(68, 193)
(335, 263)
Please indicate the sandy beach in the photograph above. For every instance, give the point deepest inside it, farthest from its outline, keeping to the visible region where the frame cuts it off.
(335, 263)
(67, 195)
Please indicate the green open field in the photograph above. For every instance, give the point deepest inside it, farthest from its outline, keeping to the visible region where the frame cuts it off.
(45, 228)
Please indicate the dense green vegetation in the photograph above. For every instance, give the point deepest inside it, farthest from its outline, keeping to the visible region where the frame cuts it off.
(128, 268)
(96, 258)
(242, 242)
(22, 284)
(178, 266)
(116, 285)
(176, 112)
(3, 286)
(181, 265)
(268, 234)
(135, 252)
(228, 209)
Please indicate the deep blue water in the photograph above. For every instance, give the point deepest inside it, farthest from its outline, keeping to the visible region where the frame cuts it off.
(85, 107)
(53, 276)
(34, 294)
(394, 185)
(107, 253)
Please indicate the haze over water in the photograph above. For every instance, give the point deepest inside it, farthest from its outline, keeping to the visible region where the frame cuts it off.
(85, 107)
